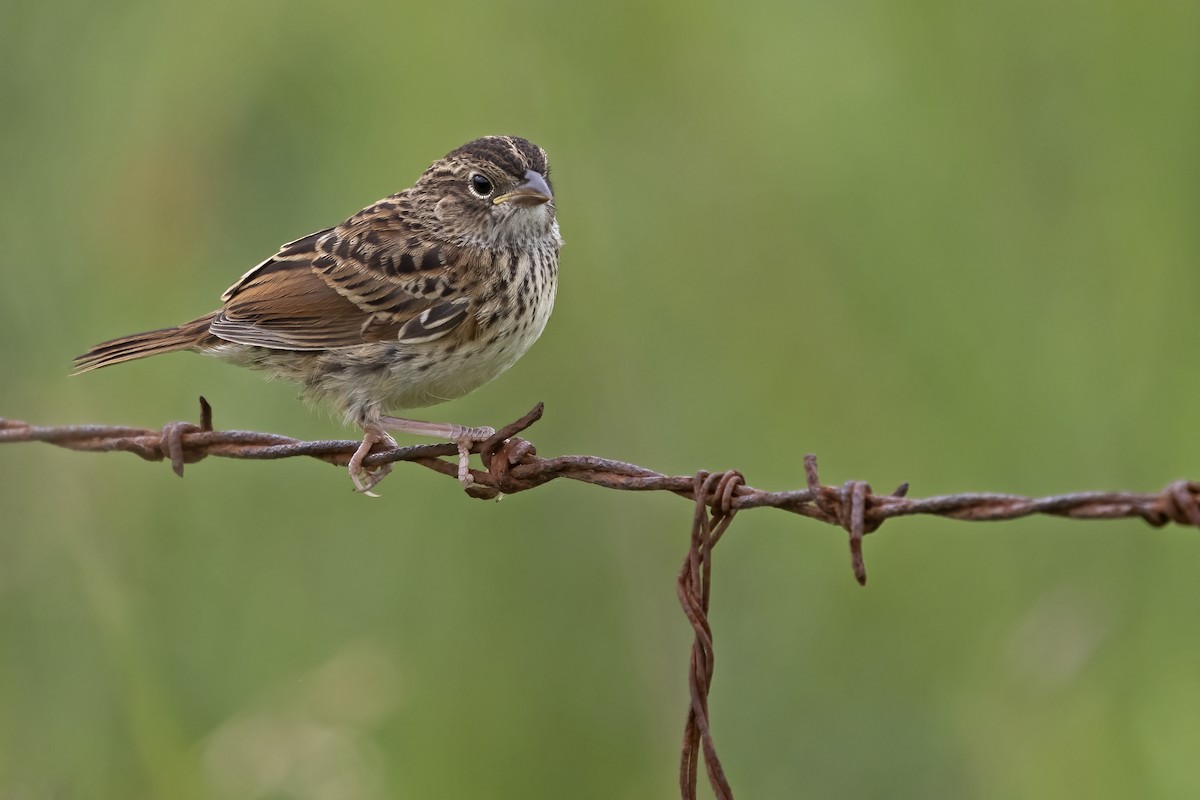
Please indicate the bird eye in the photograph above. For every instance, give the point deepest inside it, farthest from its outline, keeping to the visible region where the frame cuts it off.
(480, 185)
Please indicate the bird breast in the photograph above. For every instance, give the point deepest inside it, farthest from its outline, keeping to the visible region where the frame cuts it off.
(512, 307)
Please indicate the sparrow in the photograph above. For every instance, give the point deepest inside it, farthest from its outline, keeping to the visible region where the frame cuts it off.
(419, 298)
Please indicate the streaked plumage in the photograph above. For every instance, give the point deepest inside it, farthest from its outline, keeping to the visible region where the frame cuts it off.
(419, 298)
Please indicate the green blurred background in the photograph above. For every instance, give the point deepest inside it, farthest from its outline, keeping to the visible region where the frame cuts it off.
(954, 244)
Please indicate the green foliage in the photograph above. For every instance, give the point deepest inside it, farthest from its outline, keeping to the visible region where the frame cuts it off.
(948, 243)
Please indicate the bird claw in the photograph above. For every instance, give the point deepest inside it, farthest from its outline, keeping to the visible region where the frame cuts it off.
(367, 479)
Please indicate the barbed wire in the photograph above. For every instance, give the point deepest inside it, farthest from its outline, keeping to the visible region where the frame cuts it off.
(695, 588)
(511, 465)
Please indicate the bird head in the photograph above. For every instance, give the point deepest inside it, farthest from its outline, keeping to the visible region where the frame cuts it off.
(491, 192)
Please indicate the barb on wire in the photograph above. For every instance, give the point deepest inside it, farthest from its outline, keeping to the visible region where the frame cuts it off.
(511, 465)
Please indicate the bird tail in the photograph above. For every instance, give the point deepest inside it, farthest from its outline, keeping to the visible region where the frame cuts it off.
(151, 343)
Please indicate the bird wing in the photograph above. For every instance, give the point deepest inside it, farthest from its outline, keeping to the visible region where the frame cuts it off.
(373, 278)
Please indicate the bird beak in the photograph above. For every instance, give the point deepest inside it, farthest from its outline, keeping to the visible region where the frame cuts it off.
(533, 192)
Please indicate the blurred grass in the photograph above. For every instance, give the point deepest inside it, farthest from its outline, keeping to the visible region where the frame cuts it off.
(948, 243)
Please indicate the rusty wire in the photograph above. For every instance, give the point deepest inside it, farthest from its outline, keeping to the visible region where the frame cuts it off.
(512, 465)
(695, 589)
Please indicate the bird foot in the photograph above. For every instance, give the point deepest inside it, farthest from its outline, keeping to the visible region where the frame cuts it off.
(366, 479)
(465, 440)
(463, 437)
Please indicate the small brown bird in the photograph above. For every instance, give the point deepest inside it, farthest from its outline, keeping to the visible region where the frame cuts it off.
(419, 298)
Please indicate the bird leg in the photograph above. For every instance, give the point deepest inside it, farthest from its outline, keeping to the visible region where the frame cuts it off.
(366, 479)
(462, 436)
